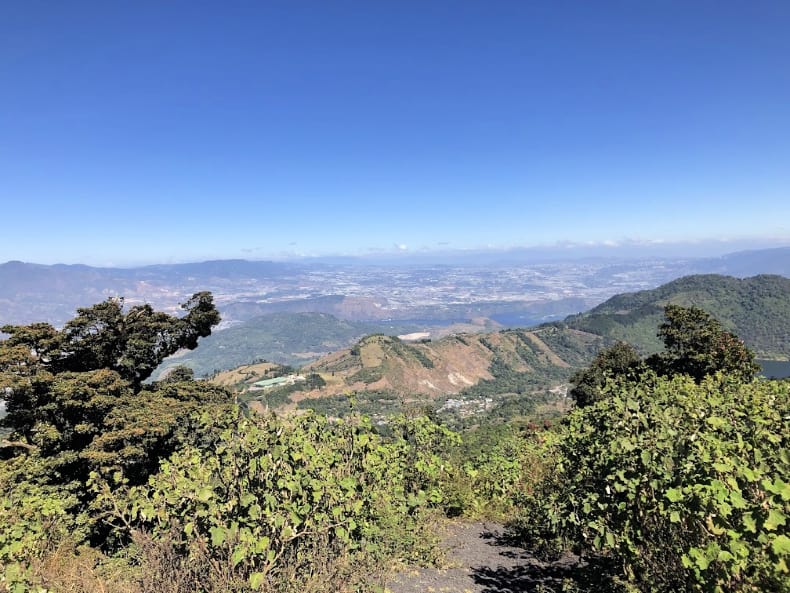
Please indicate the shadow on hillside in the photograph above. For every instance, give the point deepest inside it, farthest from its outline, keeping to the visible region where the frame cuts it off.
(569, 573)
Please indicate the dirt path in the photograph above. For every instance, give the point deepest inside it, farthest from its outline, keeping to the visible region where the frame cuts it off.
(479, 560)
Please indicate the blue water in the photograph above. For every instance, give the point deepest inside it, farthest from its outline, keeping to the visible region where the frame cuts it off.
(775, 369)
(516, 319)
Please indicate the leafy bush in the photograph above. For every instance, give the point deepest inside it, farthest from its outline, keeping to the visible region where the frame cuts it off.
(681, 485)
(499, 474)
(34, 520)
(271, 496)
(214, 503)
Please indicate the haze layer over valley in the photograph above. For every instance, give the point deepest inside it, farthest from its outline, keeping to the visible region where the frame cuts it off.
(509, 292)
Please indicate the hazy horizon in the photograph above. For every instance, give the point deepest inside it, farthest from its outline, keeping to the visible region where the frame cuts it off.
(528, 254)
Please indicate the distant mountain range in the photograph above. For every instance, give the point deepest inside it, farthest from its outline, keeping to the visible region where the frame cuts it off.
(33, 292)
(751, 263)
(546, 287)
(509, 369)
(562, 252)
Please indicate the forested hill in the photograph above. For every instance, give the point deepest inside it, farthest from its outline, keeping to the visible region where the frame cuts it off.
(757, 309)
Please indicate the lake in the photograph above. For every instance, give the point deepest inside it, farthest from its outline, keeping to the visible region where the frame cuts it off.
(775, 369)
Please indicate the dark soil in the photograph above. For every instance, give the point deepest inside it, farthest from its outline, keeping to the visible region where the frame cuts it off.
(479, 559)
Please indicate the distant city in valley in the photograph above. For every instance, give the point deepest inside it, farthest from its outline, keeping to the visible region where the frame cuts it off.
(510, 293)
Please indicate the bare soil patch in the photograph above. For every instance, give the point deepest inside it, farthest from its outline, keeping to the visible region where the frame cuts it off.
(480, 559)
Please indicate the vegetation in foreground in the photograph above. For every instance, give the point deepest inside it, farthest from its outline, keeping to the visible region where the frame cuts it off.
(109, 482)
(669, 474)
(671, 470)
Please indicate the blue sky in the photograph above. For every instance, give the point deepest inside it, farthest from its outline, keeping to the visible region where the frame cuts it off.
(135, 132)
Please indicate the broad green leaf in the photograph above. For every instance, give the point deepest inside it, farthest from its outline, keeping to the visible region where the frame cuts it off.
(778, 486)
(239, 554)
(217, 536)
(737, 500)
(700, 558)
(257, 579)
(674, 495)
(716, 421)
(739, 548)
(774, 520)
(725, 556)
(781, 545)
(647, 457)
(749, 523)
(262, 545)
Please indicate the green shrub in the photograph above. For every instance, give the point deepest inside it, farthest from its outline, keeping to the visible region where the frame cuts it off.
(682, 485)
(34, 520)
(270, 496)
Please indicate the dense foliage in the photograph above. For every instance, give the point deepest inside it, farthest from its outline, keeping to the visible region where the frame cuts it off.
(681, 485)
(620, 360)
(269, 497)
(130, 342)
(695, 344)
(181, 491)
(260, 504)
(672, 469)
(76, 400)
(77, 404)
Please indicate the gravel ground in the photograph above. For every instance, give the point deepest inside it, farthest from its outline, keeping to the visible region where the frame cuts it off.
(478, 560)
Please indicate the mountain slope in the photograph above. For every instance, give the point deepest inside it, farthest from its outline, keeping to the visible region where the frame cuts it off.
(480, 371)
(749, 263)
(757, 309)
